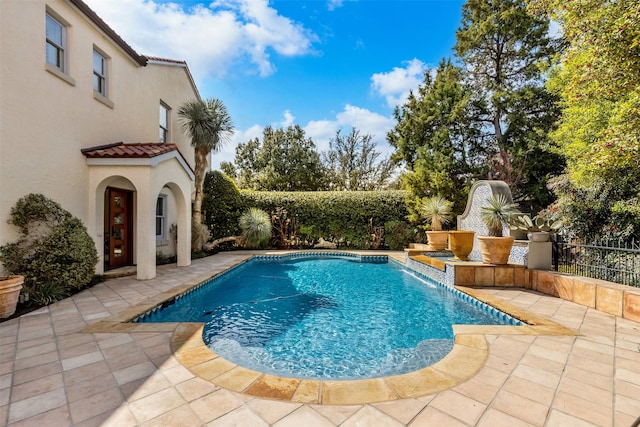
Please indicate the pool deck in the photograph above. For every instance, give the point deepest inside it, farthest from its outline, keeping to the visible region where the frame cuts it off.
(76, 363)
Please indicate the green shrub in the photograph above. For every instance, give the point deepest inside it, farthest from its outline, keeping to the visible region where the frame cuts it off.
(343, 217)
(54, 251)
(222, 205)
(398, 235)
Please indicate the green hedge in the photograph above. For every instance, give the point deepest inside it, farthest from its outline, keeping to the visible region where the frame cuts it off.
(343, 217)
(222, 205)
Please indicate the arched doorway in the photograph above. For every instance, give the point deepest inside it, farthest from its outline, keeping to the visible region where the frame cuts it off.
(118, 228)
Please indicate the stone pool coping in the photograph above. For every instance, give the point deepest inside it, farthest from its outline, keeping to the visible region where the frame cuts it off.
(468, 356)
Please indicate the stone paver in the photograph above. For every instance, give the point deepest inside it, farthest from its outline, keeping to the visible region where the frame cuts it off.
(51, 373)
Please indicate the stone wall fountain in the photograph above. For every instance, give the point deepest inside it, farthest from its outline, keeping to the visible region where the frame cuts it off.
(441, 267)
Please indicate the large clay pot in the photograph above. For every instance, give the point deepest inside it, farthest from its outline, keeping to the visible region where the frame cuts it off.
(437, 240)
(461, 244)
(9, 293)
(495, 250)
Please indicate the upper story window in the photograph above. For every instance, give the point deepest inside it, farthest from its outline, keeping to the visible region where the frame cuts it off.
(56, 43)
(99, 73)
(57, 46)
(164, 123)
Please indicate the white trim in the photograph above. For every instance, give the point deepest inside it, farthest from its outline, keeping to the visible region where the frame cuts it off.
(143, 161)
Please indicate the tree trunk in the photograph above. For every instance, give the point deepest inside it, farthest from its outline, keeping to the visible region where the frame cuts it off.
(200, 171)
(506, 171)
(216, 242)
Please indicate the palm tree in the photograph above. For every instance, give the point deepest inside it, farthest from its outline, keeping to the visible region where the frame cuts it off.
(209, 125)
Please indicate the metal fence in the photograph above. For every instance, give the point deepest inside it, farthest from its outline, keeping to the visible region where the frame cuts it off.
(615, 261)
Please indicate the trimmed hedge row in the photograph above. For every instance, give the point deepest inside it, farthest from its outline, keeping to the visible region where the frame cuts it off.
(343, 217)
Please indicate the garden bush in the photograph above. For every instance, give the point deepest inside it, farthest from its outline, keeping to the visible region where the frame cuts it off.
(398, 235)
(54, 251)
(343, 217)
(222, 205)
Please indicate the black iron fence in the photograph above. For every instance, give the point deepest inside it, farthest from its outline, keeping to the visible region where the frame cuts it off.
(612, 260)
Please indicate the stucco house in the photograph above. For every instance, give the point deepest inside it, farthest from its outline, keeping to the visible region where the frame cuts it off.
(92, 124)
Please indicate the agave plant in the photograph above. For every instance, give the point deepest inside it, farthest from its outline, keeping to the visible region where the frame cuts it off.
(537, 223)
(497, 213)
(437, 211)
(256, 227)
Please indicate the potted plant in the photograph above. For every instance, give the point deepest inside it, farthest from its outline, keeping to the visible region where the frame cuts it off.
(437, 211)
(496, 215)
(461, 243)
(537, 228)
(9, 293)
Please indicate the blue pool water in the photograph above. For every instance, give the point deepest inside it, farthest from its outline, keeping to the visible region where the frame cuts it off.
(327, 318)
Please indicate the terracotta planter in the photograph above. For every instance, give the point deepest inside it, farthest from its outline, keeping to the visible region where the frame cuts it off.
(495, 250)
(437, 240)
(461, 244)
(9, 292)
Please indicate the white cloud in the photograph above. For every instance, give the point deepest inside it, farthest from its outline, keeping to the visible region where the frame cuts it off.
(228, 152)
(334, 4)
(367, 122)
(289, 119)
(396, 84)
(211, 39)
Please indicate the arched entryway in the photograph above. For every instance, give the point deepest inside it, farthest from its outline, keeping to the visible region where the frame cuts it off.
(124, 199)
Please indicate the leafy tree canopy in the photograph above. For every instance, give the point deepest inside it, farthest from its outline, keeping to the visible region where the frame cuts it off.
(598, 79)
(502, 47)
(285, 160)
(438, 139)
(352, 163)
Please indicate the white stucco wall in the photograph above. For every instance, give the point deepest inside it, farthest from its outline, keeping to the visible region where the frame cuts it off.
(45, 120)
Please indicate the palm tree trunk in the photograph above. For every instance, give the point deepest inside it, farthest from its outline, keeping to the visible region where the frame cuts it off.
(201, 167)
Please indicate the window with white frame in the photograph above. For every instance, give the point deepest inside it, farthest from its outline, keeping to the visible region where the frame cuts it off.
(56, 33)
(161, 216)
(99, 73)
(164, 122)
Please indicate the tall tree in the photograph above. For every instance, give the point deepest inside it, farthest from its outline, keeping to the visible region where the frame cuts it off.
(437, 139)
(352, 163)
(209, 126)
(284, 161)
(502, 46)
(598, 79)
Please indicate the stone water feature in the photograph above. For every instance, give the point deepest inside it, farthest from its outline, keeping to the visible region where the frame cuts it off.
(470, 219)
(524, 254)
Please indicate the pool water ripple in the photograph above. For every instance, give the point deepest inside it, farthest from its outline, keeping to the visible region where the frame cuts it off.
(326, 318)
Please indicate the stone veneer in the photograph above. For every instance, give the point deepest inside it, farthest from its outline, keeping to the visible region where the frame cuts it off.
(608, 297)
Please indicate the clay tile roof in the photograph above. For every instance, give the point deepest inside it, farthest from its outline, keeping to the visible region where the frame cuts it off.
(120, 150)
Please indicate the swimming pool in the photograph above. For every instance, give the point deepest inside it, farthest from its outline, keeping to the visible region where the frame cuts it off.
(327, 316)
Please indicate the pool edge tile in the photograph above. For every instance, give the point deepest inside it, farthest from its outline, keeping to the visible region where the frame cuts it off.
(308, 391)
(420, 383)
(356, 392)
(273, 387)
(237, 379)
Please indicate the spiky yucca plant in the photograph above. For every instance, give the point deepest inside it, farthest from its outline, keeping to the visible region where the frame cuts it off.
(256, 227)
(437, 211)
(497, 213)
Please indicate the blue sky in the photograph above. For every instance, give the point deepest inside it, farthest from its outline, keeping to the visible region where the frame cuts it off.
(321, 64)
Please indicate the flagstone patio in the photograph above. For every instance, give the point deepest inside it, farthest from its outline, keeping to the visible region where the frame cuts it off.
(52, 373)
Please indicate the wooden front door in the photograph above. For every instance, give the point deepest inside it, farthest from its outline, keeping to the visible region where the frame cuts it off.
(119, 231)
